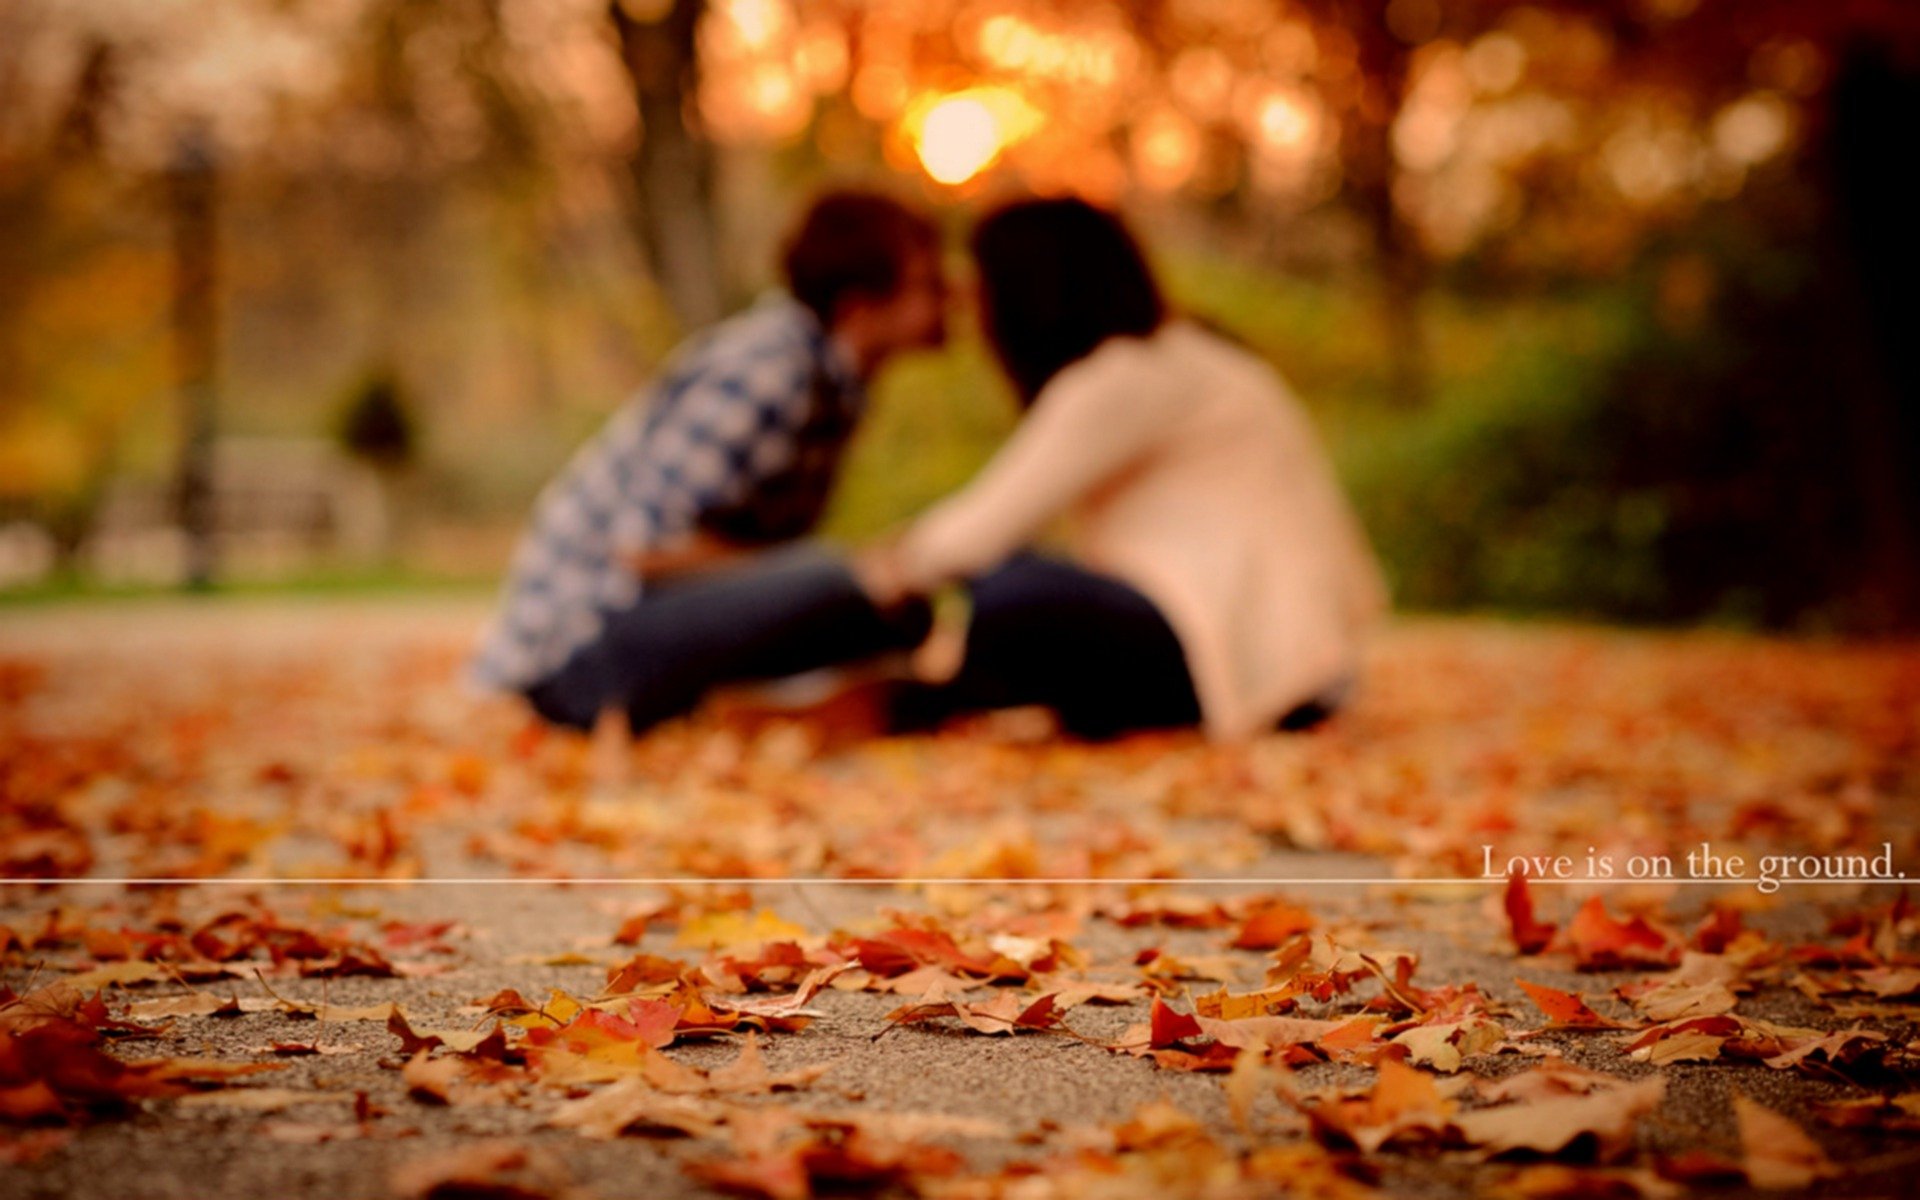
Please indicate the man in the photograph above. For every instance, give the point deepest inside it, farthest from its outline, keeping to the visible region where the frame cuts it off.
(617, 595)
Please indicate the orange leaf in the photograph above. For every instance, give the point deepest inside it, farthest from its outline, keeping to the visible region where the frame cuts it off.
(1270, 926)
(1565, 1010)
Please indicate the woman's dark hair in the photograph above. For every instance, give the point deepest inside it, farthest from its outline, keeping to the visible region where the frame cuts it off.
(852, 241)
(1057, 278)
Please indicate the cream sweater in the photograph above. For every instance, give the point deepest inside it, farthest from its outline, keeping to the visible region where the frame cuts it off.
(1186, 468)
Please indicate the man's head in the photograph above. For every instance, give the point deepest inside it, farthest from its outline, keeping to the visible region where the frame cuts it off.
(869, 267)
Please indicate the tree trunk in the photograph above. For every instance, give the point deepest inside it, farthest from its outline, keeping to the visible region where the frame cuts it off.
(1873, 103)
(196, 347)
(1366, 151)
(673, 168)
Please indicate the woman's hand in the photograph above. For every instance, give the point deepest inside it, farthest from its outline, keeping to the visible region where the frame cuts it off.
(877, 570)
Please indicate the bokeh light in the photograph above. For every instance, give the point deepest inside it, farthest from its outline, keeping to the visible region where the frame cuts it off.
(958, 136)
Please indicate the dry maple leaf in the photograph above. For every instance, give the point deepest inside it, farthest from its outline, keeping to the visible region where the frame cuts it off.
(1566, 1010)
(1071, 993)
(1174, 909)
(597, 1045)
(1892, 1114)
(1550, 1080)
(1233, 1006)
(1184, 1042)
(410, 1042)
(1600, 943)
(1446, 1046)
(51, 1069)
(645, 970)
(1159, 1125)
(1268, 1033)
(1317, 966)
(1271, 925)
(747, 1074)
(777, 965)
(903, 948)
(1701, 986)
(787, 1162)
(458, 1080)
(728, 930)
(1163, 972)
(1403, 1105)
(633, 1103)
(1599, 1124)
(1007, 1012)
(1690, 1039)
(1845, 1053)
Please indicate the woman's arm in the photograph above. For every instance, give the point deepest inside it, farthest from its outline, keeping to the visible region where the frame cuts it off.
(1098, 416)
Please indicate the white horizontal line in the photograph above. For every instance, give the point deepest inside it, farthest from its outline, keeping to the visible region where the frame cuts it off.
(899, 881)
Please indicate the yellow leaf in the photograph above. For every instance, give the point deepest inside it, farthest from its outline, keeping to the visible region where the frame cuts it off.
(727, 930)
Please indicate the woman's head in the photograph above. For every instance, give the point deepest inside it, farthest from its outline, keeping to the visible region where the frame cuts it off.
(1057, 278)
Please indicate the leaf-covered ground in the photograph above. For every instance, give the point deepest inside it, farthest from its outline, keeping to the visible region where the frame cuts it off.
(1093, 987)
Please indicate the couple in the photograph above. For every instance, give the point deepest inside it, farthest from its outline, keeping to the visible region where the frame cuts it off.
(1212, 575)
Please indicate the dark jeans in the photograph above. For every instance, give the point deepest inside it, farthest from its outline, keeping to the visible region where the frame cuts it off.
(1042, 632)
(784, 614)
(1087, 646)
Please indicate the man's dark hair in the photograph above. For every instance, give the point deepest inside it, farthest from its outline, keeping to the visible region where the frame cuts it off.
(852, 241)
(1057, 278)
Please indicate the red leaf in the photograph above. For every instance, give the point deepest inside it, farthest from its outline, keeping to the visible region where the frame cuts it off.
(1529, 935)
(1170, 1026)
(1601, 943)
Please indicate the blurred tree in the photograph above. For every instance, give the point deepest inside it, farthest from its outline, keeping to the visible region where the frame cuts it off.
(1875, 105)
(672, 164)
(193, 191)
(52, 172)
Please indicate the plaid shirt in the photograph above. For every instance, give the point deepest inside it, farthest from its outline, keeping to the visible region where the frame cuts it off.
(741, 437)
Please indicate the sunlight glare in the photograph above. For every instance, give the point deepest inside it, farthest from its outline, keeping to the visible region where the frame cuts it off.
(960, 135)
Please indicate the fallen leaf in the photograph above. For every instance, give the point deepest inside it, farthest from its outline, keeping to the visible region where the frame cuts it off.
(1600, 943)
(1565, 1010)
(1007, 1012)
(634, 1104)
(1777, 1153)
(1403, 1105)
(1600, 1124)
(1529, 936)
(1270, 925)
(1445, 1047)
(496, 1170)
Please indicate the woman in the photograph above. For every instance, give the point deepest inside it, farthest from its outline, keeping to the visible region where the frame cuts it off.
(1216, 574)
